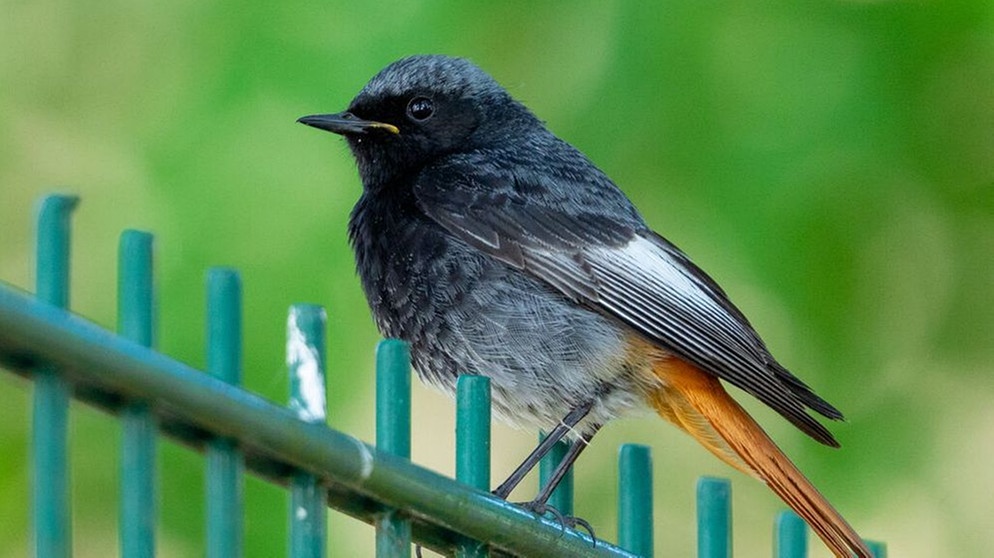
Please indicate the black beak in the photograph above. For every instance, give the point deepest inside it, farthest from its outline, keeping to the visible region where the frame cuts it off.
(345, 123)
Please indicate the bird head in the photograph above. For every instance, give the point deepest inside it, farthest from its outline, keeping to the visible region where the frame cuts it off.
(419, 109)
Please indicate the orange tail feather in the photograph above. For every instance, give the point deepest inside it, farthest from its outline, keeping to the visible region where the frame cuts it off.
(696, 402)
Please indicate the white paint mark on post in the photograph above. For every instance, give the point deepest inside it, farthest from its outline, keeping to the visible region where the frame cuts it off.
(302, 359)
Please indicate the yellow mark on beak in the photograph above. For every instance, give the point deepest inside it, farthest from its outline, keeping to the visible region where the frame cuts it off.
(384, 126)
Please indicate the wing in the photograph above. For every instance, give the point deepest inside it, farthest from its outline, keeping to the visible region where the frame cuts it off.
(577, 232)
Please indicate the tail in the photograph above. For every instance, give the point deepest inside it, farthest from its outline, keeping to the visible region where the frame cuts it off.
(696, 402)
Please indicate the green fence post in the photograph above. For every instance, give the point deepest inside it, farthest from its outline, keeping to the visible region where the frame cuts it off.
(225, 463)
(714, 518)
(562, 496)
(363, 481)
(473, 445)
(306, 357)
(790, 536)
(49, 440)
(393, 435)
(635, 524)
(135, 321)
(878, 549)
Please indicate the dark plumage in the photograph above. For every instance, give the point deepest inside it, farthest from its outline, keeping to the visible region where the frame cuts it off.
(494, 247)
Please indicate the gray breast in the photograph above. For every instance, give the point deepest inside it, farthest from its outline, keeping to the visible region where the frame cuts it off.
(464, 312)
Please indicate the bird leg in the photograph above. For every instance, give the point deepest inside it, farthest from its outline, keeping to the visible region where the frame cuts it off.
(538, 504)
(557, 433)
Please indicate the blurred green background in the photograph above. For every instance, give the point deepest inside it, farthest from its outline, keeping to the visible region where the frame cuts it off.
(831, 164)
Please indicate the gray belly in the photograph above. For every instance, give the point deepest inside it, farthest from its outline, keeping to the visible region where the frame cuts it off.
(463, 312)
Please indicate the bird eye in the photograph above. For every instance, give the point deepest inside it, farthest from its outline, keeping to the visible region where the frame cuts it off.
(420, 108)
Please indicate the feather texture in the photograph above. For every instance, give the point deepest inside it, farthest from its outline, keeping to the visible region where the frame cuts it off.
(589, 243)
(704, 409)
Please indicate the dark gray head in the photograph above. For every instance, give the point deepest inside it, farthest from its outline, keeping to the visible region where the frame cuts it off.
(420, 108)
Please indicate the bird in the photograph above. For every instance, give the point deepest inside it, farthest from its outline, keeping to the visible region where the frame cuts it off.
(491, 246)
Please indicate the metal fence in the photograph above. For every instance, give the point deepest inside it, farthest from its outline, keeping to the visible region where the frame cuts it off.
(67, 356)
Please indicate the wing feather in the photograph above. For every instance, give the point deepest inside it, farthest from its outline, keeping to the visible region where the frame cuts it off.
(585, 240)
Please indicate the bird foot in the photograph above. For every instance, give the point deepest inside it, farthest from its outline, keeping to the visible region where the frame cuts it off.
(572, 522)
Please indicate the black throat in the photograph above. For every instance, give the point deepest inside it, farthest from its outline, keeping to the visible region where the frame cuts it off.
(394, 244)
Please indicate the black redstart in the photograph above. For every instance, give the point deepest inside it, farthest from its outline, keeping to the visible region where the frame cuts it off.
(494, 247)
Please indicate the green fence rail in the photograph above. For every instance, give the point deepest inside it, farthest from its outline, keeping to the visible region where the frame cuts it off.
(156, 396)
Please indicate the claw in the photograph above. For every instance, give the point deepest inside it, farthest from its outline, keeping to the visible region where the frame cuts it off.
(572, 522)
(579, 521)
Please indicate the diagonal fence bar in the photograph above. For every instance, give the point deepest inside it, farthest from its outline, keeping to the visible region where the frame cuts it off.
(67, 355)
(108, 371)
